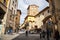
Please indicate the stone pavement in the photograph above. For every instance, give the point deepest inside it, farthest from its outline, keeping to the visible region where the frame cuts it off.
(31, 37)
(9, 37)
(23, 37)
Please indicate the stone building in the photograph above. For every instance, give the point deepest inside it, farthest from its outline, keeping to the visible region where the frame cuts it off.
(11, 10)
(17, 19)
(55, 11)
(29, 21)
(32, 10)
(4, 11)
(13, 5)
(41, 16)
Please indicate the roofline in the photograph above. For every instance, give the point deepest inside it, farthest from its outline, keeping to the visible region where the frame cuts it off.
(32, 5)
(42, 10)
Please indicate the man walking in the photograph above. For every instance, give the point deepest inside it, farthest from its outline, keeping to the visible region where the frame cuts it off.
(48, 34)
(40, 33)
(26, 33)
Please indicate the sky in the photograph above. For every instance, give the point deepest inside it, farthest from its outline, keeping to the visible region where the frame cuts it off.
(23, 5)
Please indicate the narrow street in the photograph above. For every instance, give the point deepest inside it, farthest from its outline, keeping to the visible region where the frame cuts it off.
(29, 37)
(29, 19)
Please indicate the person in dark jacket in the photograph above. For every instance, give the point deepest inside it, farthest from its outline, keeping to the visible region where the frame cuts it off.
(43, 34)
(48, 34)
(26, 33)
(40, 33)
(56, 35)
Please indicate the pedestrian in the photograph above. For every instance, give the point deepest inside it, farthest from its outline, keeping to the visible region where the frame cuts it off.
(43, 34)
(56, 35)
(40, 33)
(10, 30)
(26, 33)
(48, 34)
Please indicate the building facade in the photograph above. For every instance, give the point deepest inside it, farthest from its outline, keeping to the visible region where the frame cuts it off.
(9, 20)
(32, 10)
(13, 6)
(29, 21)
(4, 6)
(54, 8)
(40, 17)
(17, 20)
(2, 13)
